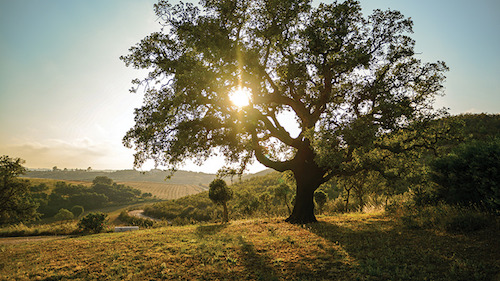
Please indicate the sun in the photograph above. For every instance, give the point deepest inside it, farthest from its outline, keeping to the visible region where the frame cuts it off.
(240, 97)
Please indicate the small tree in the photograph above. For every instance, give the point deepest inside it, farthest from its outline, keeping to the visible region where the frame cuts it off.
(102, 180)
(64, 215)
(93, 222)
(77, 210)
(320, 197)
(281, 192)
(220, 193)
(16, 204)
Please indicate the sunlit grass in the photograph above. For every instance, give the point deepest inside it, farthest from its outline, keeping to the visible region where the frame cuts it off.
(343, 247)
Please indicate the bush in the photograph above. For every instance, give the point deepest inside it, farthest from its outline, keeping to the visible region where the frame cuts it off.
(445, 217)
(320, 198)
(77, 211)
(125, 217)
(470, 175)
(64, 215)
(93, 222)
(56, 228)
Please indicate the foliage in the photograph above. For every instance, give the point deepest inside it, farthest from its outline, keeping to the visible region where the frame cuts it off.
(64, 215)
(347, 80)
(93, 222)
(55, 228)
(102, 180)
(220, 194)
(447, 218)
(16, 204)
(77, 211)
(470, 175)
(126, 218)
(102, 192)
(253, 197)
(320, 198)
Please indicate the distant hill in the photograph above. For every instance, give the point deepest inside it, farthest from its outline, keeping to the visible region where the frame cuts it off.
(180, 177)
(160, 176)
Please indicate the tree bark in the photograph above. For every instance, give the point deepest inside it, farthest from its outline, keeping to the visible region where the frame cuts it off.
(347, 200)
(309, 176)
(225, 215)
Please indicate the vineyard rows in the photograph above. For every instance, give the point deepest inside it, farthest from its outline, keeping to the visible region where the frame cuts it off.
(165, 190)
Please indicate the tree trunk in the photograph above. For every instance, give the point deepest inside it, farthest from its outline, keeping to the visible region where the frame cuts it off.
(288, 205)
(308, 179)
(225, 215)
(347, 200)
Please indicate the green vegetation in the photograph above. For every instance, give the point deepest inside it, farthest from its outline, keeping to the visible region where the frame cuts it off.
(93, 222)
(64, 215)
(16, 203)
(341, 247)
(352, 83)
(420, 236)
(103, 192)
(470, 175)
(220, 194)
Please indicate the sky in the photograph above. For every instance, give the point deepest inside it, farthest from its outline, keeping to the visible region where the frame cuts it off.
(64, 98)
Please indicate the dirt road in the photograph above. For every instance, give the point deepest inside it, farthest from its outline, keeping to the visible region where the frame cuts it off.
(140, 214)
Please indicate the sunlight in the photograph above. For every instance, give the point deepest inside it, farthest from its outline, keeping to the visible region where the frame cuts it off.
(240, 97)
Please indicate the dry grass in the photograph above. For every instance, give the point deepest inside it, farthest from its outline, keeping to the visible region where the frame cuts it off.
(344, 247)
(165, 191)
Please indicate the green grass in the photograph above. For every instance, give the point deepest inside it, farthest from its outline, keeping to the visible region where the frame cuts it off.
(343, 247)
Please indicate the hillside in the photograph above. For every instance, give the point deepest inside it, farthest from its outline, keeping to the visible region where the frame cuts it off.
(343, 247)
(160, 176)
(180, 177)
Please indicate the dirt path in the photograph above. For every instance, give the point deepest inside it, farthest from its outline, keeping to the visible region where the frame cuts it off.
(140, 214)
(27, 239)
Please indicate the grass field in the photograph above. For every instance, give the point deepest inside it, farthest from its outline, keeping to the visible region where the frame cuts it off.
(343, 247)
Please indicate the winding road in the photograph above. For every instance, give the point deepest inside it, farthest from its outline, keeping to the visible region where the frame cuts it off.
(140, 214)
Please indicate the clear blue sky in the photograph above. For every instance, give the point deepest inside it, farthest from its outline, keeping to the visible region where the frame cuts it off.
(64, 97)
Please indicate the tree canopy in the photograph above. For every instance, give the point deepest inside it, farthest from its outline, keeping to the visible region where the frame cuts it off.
(348, 80)
(16, 204)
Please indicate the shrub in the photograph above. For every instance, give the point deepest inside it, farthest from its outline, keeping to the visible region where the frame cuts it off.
(93, 222)
(64, 215)
(446, 218)
(125, 217)
(470, 175)
(77, 211)
(320, 197)
(467, 222)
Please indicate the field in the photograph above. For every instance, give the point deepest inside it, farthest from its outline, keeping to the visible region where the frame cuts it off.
(165, 191)
(342, 247)
(162, 190)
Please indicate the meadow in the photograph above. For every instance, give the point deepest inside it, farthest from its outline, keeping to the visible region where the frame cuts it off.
(342, 247)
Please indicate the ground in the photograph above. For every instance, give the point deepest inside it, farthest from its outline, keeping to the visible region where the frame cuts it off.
(343, 247)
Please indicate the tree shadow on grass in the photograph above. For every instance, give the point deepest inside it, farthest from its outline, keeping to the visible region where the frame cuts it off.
(258, 264)
(204, 230)
(385, 251)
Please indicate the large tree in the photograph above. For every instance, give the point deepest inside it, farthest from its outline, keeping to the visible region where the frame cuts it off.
(347, 79)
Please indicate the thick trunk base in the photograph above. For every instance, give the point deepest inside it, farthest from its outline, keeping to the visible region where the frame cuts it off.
(301, 218)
